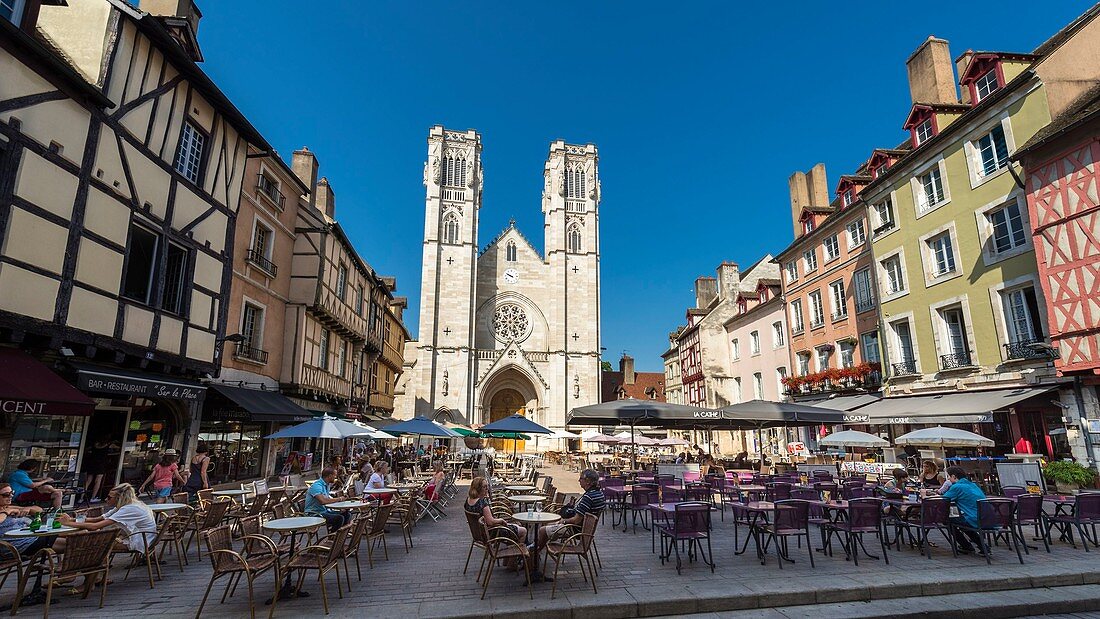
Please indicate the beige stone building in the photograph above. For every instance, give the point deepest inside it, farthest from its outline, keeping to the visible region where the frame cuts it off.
(121, 166)
(507, 328)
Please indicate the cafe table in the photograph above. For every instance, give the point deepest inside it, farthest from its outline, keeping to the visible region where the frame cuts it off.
(158, 508)
(347, 505)
(237, 494)
(536, 519)
(293, 526)
(527, 500)
(520, 488)
(36, 596)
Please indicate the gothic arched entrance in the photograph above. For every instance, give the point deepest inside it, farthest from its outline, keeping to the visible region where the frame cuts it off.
(505, 403)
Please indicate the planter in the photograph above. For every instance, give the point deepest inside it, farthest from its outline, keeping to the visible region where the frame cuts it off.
(1066, 487)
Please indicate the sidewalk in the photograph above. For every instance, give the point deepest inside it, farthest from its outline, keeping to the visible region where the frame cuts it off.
(429, 582)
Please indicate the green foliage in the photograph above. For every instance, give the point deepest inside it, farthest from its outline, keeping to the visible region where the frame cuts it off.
(606, 366)
(1068, 473)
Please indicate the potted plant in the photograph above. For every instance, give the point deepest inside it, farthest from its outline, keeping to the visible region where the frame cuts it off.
(1068, 477)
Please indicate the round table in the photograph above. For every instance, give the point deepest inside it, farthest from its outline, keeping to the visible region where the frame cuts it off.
(157, 508)
(379, 490)
(527, 500)
(353, 504)
(536, 520)
(44, 531)
(237, 495)
(293, 526)
(520, 488)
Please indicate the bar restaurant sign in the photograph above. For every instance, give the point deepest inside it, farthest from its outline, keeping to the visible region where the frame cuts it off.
(145, 387)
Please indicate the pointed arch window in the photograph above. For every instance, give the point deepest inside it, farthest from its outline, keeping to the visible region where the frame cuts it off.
(510, 251)
(454, 171)
(450, 229)
(574, 182)
(573, 239)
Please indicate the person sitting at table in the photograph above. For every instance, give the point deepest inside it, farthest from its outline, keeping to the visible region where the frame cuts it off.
(592, 502)
(164, 475)
(900, 479)
(13, 518)
(477, 503)
(436, 485)
(134, 520)
(377, 479)
(742, 461)
(29, 490)
(319, 495)
(930, 476)
(965, 494)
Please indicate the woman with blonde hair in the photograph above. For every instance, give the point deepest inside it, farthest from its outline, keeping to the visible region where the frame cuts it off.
(477, 503)
(133, 519)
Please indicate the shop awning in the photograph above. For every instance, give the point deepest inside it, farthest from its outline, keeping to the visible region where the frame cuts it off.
(845, 402)
(264, 405)
(116, 381)
(960, 407)
(27, 387)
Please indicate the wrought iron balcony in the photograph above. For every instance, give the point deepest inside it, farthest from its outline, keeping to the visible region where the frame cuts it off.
(247, 351)
(1024, 350)
(905, 368)
(267, 189)
(955, 360)
(256, 257)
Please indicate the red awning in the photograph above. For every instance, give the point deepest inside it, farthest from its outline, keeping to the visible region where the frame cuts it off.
(28, 387)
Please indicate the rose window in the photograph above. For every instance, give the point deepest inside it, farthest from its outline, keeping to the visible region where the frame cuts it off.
(510, 322)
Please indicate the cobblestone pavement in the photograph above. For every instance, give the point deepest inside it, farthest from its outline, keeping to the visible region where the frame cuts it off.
(429, 581)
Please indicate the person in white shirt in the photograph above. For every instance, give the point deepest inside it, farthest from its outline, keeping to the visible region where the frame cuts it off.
(378, 477)
(133, 519)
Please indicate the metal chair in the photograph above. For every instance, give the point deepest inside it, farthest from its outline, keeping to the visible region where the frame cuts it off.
(777, 491)
(377, 532)
(227, 562)
(1029, 513)
(11, 562)
(147, 555)
(790, 518)
(1086, 513)
(208, 518)
(935, 515)
(690, 525)
(1013, 491)
(996, 518)
(323, 558)
(500, 545)
(864, 517)
(580, 545)
(640, 499)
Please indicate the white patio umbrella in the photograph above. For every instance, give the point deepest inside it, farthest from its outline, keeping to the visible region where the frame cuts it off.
(853, 438)
(673, 441)
(940, 436)
(371, 432)
(640, 441)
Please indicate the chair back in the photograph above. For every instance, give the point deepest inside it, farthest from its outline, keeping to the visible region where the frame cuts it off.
(935, 511)
(87, 551)
(996, 513)
(588, 531)
(827, 486)
(718, 482)
(692, 517)
(547, 483)
(1013, 491)
(339, 542)
(360, 526)
(206, 496)
(1029, 508)
(249, 525)
(612, 482)
(865, 513)
(777, 491)
(698, 492)
(642, 496)
(381, 515)
(180, 497)
(690, 476)
(220, 538)
(805, 494)
(259, 487)
(822, 476)
(1088, 506)
(791, 514)
(477, 529)
(857, 492)
(258, 504)
(665, 480)
(215, 513)
(671, 494)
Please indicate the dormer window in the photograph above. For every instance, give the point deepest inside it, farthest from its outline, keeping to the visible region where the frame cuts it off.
(763, 291)
(923, 132)
(807, 225)
(878, 171)
(742, 306)
(848, 197)
(986, 85)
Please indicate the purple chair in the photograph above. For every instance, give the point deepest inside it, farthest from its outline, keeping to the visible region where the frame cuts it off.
(689, 526)
(1029, 513)
(864, 517)
(699, 492)
(805, 494)
(934, 515)
(666, 480)
(615, 502)
(1086, 513)
(777, 491)
(672, 494)
(640, 498)
(996, 518)
(790, 518)
(856, 492)
(612, 482)
(1013, 491)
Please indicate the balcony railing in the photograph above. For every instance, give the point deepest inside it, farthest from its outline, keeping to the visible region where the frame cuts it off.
(247, 351)
(267, 189)
(454, 194)
(954, 361)
(256, 257)
(904, 368)
(799, 330)
(839, 315)
(817, 323)
(1024, 350)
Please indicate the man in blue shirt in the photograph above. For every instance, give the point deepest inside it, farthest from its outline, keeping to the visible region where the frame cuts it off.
(965, 494)
(319, 495)
(28, 490)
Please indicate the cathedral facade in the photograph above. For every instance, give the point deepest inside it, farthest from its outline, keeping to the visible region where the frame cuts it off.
(505, 328)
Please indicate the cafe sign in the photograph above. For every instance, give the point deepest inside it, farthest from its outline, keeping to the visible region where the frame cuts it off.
(134, 386)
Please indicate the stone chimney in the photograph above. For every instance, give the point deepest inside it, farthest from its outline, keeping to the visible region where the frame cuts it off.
(325, 199)
(181, 18)
(931, 73)
(817, 185)
(706, 288)
(729, 279)
(960, 66)
(626, 366)
(304, 164)
(807, 189)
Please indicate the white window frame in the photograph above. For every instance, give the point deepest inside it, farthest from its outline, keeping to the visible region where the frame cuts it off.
(839, 305)
(848, 197)
(895, 341)
(841, 346)
(780, 374)
(754, 343)
(804, 360)
(928, 255)
(324, 345)
(924, 131)
(917, 187)
(815, 309)
(779, 336)
(986, 229)
(792, 271)
(735, 349)
(939, 328)
(973, 155)
(190, 152)
(269, 246)
(997, 295)
(798, 320)
(821, 358)
(257, 339)
(830, 248)
(876, 357)
(737, 391)
(808, 257)
(890, 202)
(870, 289)
(884, 294)
(859, 225)
(978, 83)
(758, 385)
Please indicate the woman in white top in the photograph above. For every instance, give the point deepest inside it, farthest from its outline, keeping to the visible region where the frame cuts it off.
(134, 520)
(378, 478)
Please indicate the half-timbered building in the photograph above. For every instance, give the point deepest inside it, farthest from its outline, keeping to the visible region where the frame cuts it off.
(121, 165)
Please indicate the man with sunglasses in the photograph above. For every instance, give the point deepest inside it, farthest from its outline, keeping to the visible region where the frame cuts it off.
(592, 501)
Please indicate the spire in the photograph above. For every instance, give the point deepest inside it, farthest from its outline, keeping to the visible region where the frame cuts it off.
(512, 222)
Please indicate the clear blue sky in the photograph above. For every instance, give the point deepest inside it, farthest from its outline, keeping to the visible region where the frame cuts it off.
(700, 110)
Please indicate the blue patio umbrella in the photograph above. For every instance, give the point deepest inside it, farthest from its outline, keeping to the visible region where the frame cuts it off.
(422, 426)
(320, 427)
(515, 424)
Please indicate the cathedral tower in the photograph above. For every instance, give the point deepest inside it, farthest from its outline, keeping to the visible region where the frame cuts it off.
(453, 182)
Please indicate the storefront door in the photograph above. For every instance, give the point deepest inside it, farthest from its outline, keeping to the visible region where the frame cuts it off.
(103, 451)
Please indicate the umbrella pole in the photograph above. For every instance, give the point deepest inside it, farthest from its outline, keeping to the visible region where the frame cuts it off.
(633, 449)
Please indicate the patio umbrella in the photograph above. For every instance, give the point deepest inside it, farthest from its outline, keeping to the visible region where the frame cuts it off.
(320, 427)
(603, 439)
(672, 441)
(854, 438)
(372, 432)
(421, 426)
(515, 424)
(940, 436)
(641, 441)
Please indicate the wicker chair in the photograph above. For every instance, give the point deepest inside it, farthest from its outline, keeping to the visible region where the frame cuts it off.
(581, 545)
(226, 562)
(208, 518)
(179, 497)
(360, 526)
(173, 530)
(403, 514)
(477, 540)
(250, 526)
(11, 562)
(255, 508)
(500, 545)
(205, 497)
(148, 556)
(377, 532)
(322, 557)
(87, 554)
